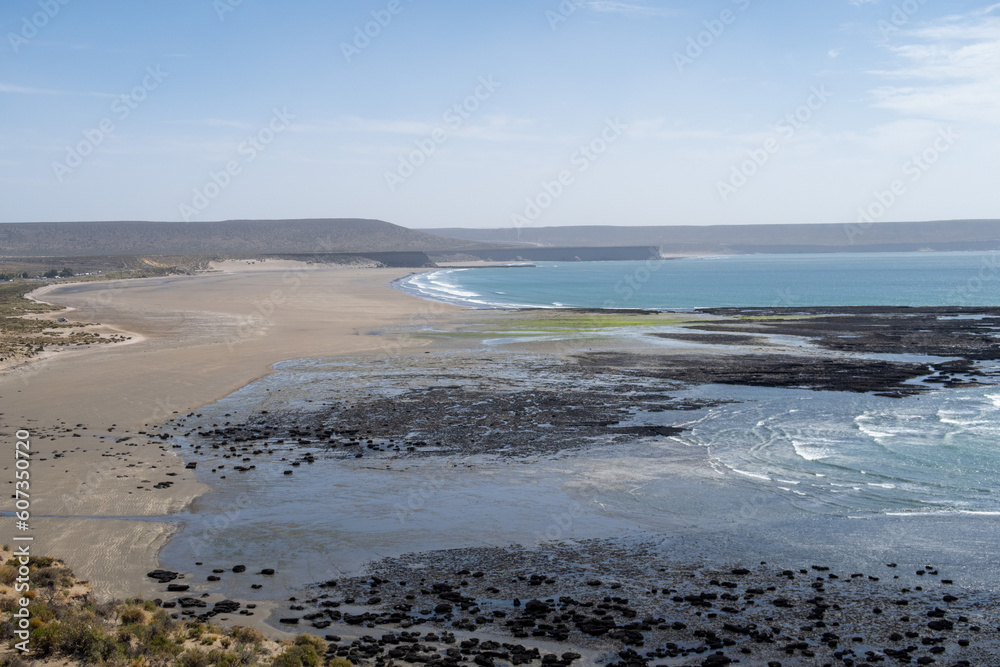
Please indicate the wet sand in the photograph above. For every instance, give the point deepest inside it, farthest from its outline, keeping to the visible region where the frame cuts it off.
(196, 339)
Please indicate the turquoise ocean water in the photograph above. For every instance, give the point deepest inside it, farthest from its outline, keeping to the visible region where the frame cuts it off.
(897, 279)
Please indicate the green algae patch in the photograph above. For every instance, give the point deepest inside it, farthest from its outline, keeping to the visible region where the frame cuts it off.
(563, 323)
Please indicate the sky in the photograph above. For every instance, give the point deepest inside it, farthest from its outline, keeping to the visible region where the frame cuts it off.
(500, 114)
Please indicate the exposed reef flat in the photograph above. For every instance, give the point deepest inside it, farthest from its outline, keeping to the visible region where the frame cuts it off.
(628, 603)
(632, 599)
(827, 373)
(966, 332)
(456, 404)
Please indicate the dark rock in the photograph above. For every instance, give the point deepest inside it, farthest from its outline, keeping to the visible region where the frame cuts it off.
(187, 603)
(162, 576)
(716, 660)
(226, 607)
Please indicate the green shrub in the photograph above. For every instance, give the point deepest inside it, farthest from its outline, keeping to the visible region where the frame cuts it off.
(134, 632)
(248, 653)
(133, 615)
(89, 643)
(194, 657)
(46, 639)
(12, 661)
(41, 612)
(104, 609)
(51, 577)
(221, 658)
(41, 561)
(319, 646)
(160, 644)
(299, 655)
(243, 635)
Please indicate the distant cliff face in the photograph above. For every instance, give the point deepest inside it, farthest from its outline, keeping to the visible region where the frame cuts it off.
(579, 253)
(735, 239)
(77, 239)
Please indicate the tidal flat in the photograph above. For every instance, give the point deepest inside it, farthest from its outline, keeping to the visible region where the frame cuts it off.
(640, 497)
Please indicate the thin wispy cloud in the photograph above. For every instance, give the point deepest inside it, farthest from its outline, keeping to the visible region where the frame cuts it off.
(948, 70)
(628, 8)
(24, 90)
(664, 130)
(75, 46)
(11, 89)
(496, 128)
(216, 122)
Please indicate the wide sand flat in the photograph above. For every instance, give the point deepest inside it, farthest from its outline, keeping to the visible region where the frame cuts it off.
(195, 340)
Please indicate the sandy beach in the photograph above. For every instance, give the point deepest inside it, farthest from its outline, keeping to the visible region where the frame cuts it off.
(195, 339)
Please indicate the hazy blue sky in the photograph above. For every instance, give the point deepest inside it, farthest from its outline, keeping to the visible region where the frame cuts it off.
(490, 114)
